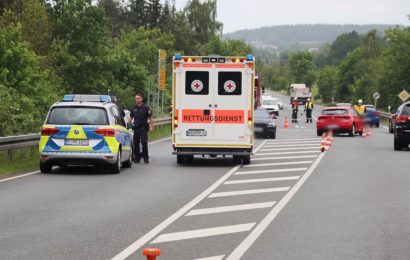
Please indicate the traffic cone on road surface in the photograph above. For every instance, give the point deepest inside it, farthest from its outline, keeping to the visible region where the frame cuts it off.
(323, 143)
(329, 139)
(286, 122)
(151, 253)
(364, 134)
(369, 132)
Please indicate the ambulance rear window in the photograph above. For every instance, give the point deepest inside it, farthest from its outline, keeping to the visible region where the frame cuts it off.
(230, 83)
(197, 83)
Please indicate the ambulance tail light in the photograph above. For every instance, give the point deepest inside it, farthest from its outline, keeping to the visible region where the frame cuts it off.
(47, 131)
(108, 132)
(175, 121)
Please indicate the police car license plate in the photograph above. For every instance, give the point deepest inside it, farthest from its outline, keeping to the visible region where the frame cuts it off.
(196, 132)
(76, 142)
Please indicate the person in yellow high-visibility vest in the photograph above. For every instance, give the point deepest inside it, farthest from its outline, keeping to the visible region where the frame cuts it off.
(360, 108)
(309, 109)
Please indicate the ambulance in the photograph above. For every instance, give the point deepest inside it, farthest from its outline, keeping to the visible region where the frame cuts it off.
(213, 102)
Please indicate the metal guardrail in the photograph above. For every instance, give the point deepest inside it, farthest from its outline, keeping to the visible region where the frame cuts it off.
(384, 114)
(11, 143)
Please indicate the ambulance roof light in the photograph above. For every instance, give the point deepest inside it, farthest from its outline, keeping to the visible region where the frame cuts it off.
(249, 57)
(177, 57)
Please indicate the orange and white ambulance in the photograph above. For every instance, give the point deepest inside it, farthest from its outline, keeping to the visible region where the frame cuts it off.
(213, 101)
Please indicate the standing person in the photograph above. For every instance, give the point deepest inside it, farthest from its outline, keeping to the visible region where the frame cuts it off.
(115, 101)
(141, 113)
(360, 108)
(309, 109)
(295, 109)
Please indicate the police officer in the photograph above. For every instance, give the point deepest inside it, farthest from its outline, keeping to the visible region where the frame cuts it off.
(141, 113)
(295, 109)
(308, 109)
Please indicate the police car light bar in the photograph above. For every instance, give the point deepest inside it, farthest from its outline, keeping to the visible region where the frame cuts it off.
(86, 98)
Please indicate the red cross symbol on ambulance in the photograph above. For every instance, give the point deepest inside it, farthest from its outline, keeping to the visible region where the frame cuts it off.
(229, 86)
(197, 86)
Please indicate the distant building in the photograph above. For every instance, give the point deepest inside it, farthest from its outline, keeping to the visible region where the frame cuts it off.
(313, 50)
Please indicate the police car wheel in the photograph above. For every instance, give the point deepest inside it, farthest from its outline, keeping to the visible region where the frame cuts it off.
(128, 163)
(45, 167)
(116, 168)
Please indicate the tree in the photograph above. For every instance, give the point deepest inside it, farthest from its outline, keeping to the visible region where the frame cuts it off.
(137, 13)
(343, 44)
(154, 11)
(115, 15)
(327, 82)
(302, 68)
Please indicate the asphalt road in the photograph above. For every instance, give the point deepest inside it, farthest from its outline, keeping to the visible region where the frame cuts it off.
(292, 202)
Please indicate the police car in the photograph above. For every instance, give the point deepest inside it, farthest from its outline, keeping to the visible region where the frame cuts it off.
(85, 130)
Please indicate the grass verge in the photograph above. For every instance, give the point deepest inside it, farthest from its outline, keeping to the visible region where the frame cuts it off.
(27, 159)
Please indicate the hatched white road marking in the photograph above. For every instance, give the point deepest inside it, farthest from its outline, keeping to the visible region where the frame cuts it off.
(290, 149)
(218, 257)
(272, 171)
(284, 157)
(300, 142)
(291, 140)
(231, 208)
(207, 232)
(290, 145)
(276, 164)
(290, 178)
(246, 192)
(283, 153)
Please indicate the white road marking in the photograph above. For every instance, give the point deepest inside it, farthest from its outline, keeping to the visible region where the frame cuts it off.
(290, 149)
(207, 232)
(218, 257)
(300, 142)
(291, 140)
(154, 232)
(20, 176)
(272, 171)
(283, 153)
(247, 192)
(276, 164)
(239, 251)
(290, 178)
(223, 209)
(284, 158)
(291, 145)
(161, 140)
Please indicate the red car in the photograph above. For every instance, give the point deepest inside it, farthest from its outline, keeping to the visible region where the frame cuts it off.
(341, 120)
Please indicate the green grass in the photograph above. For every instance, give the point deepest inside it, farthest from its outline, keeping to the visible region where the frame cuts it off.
(27, 159)
(23, 160)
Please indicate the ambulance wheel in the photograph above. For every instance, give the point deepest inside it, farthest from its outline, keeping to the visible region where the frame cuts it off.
(128, 163)
(237, 159)
(116, 168)
(246, 160)
(189, 159)
(45, 167)
(180, 159)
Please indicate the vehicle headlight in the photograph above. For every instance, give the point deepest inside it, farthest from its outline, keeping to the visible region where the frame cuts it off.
(271, 125)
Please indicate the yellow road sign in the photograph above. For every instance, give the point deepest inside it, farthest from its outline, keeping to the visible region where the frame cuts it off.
(404, 95)
(162, 69)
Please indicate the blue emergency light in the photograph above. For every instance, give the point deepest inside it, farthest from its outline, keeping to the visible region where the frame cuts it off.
(68, 98)
(86, 98)
(249, 57)
(177, 57)
(105, 98)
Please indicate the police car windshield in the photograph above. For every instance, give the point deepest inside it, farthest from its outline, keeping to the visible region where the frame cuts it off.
(269, 102)
(77, 116)
(334, 112)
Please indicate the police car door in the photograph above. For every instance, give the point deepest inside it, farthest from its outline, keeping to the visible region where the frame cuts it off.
(195, 102)
(232, 101)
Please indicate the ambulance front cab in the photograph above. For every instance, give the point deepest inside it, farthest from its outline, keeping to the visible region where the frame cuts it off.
(213, 102)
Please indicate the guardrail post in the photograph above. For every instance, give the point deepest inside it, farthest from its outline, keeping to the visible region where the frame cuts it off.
(10, 154)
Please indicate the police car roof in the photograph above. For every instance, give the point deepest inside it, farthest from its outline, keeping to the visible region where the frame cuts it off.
(83, 104)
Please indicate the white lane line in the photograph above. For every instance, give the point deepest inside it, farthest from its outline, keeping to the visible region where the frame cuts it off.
(239, 251)
(164, 224)
(289, 149)
(247, 192)
(206, 232)
(276, 164)
(224, 209)
(291, 145)
(300, 142)
(218, 257)
(290, 178)
(35, 172)
(283, 153)
(284, 157)
(272, 171)
(20, 176)
(290, 140)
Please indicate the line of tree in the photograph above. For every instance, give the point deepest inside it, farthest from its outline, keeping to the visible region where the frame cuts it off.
(52, 47)
(352, 67)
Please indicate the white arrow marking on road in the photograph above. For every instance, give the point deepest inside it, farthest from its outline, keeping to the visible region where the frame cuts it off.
(276, 164)
(207, 232)
(290, 178)
(224, 209)
(246, 192)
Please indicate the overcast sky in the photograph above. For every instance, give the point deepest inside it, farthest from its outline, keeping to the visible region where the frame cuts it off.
(247, 14)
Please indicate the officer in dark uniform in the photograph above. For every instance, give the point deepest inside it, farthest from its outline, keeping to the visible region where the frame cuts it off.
(141, 113)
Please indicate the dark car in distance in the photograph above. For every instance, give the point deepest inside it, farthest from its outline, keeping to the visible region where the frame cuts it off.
(264, 123)
(372, 117)
(402, 127)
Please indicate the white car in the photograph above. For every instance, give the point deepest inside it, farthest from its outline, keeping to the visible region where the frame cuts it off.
(280, 103)
(270, 104)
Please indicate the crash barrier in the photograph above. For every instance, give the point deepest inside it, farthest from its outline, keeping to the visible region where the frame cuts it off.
(30, 141)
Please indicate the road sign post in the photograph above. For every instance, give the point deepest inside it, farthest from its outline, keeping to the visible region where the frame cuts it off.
(376, 96)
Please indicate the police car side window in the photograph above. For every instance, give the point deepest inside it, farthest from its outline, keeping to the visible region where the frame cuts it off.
(230, 83)
(117, 116)
(197, 83)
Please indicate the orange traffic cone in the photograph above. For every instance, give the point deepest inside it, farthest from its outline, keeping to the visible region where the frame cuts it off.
(364, 134)
(329, 139)
(369, 132)
(286, 122)
(151, 253)
(323, 143)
